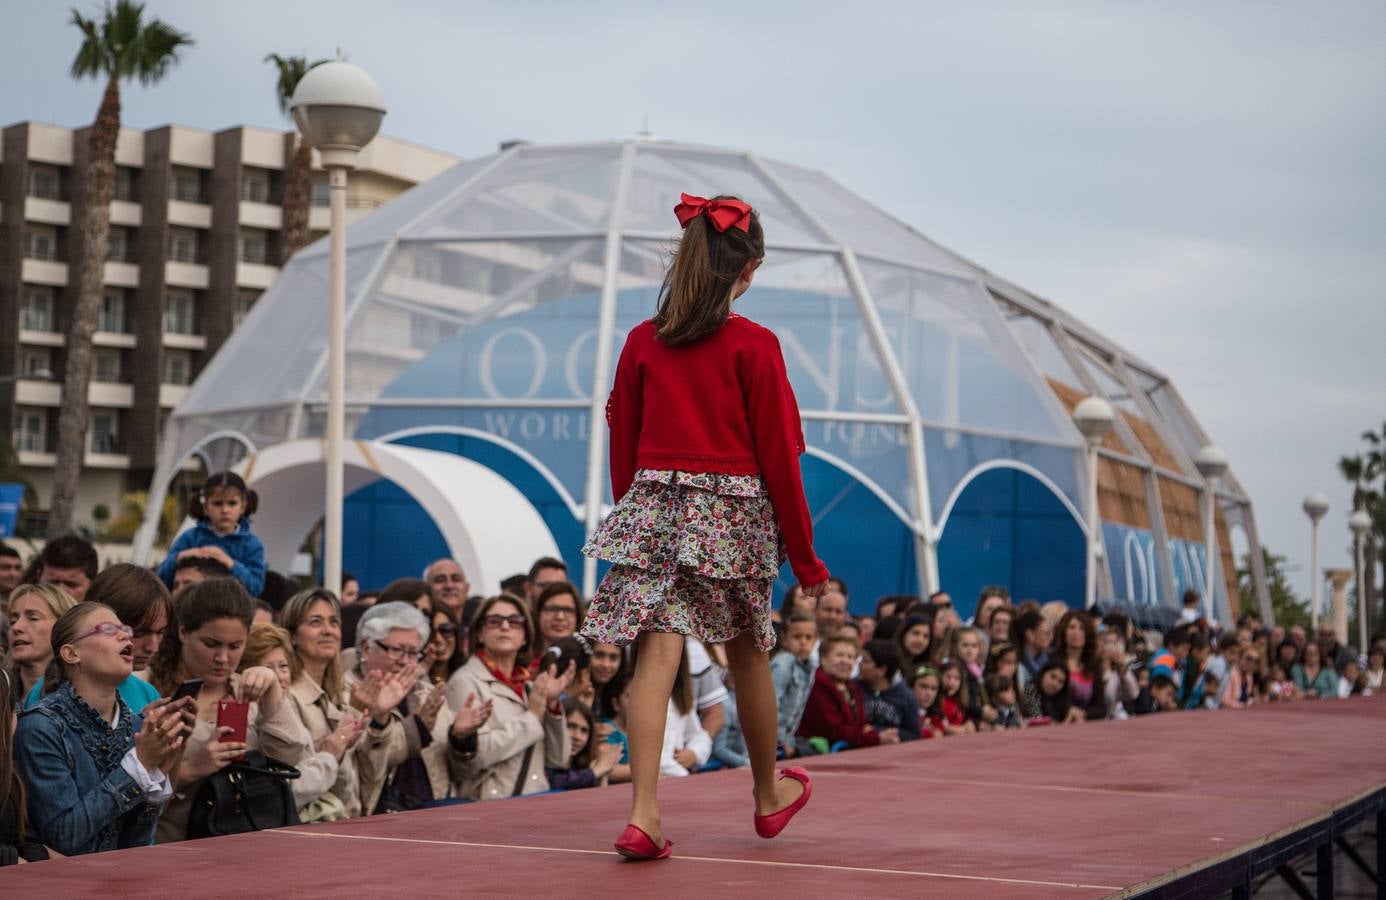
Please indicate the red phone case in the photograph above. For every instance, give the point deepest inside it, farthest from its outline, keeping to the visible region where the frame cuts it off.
(233, 714)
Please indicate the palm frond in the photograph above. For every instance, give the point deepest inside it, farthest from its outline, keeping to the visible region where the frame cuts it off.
(90, 61)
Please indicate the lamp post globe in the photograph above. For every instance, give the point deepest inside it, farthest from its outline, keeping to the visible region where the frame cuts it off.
(338, 107)
(1315, 506)
(1211, 462)
(1094, 417)
(1359, 522)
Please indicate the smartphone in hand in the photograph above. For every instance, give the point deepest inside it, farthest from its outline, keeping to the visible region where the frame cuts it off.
(189, 688)
(233, 714)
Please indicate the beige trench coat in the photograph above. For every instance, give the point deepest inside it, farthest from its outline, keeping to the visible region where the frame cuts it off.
(321, 772)
(383, 749)
(502, 741)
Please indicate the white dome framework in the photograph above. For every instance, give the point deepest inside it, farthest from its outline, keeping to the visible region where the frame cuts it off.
(490, 304)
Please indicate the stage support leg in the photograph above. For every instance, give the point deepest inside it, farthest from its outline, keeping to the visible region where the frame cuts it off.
(1324, 865)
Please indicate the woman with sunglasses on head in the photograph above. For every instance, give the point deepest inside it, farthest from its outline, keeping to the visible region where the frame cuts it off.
(527, 729)
(97, 773)
(426, 750)
(444, 645)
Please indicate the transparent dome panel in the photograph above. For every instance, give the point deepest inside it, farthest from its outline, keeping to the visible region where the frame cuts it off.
(833, 363)
(860, 225)
(661, 173)
(537, 191)
(952, 456)
(963, 365)
(396, 216)
(493, 321)
(876, 454)
(282, 344)
(1045, 353)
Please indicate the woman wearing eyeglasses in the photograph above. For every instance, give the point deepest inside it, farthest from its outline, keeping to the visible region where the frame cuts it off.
(212, 623)
(527, 730)
(558, 614)
(97, 773)
(428, 750)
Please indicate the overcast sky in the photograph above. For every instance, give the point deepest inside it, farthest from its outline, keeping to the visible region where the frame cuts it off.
(1202, 182)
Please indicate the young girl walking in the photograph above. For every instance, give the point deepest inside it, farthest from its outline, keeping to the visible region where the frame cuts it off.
(705, 440)
(222, 510)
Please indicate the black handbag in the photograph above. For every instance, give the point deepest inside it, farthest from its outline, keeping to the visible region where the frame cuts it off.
(245, 796)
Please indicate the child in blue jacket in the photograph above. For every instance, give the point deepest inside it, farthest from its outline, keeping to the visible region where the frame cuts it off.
(222, 509)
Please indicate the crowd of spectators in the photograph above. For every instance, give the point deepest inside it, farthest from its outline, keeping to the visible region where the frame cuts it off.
(424, 694)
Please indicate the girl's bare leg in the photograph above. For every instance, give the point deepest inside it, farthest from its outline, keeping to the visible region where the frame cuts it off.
(655, 669)
(756, 706)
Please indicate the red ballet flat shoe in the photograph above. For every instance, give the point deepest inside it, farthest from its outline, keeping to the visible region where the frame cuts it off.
(773, 824)
(634, 843)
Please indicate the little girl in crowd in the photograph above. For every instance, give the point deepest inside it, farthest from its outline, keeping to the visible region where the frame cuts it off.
(955, 701)
(222, 509)
(925, 683)
(705, 444)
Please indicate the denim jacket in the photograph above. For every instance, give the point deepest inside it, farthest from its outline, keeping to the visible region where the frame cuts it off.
(793, 682)
(80, 799)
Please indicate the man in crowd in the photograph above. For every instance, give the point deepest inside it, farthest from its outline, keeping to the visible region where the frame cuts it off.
(1335, 655)
(11, 568)
(195, 569)
(67, 562)
(545, 571)
(448, 584)
(830, 613)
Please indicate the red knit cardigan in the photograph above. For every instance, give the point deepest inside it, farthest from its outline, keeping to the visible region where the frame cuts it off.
(722, 404)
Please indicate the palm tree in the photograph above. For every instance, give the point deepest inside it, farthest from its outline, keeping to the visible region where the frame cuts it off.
(117, 46)
(298, 175)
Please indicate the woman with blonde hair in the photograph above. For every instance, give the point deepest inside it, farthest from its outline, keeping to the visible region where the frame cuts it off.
(33, 610)
(312, 622)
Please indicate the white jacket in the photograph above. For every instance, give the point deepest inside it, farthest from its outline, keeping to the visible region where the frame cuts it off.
(683, 731)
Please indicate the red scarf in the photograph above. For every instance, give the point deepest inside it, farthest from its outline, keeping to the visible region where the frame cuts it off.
(516, 680)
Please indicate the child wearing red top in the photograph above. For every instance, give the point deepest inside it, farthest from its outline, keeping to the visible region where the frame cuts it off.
(705, 444)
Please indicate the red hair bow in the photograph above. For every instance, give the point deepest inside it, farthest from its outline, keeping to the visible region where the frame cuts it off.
(723, 214)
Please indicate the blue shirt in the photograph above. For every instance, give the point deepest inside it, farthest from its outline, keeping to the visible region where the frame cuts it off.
(244, 548)
(135, 691)
(618, 737)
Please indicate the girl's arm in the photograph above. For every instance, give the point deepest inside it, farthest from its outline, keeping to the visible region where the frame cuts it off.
(623, 418)
(779, 439)
(250, 569)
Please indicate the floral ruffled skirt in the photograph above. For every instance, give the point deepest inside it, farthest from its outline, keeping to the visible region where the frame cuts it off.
(692, 553)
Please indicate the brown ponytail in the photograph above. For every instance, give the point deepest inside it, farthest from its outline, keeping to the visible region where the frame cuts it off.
(695, 299)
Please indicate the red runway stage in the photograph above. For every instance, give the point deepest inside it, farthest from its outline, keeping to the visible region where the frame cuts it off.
(1173, 805)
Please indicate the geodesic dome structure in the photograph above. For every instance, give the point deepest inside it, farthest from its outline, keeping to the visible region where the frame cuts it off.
(487, 307)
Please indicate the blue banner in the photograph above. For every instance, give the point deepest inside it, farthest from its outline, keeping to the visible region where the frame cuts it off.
(11, 495)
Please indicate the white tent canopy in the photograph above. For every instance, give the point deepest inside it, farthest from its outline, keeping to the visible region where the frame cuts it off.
(462, 498)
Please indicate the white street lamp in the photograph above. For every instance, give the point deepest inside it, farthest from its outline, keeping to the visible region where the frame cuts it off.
(1315, 507)
(1211, 463)
(1360, 523)
(338, 108)
(1094, 417)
